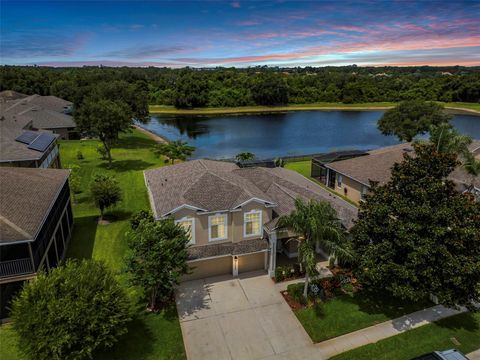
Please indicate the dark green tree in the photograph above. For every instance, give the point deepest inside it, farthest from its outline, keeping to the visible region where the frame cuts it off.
(191, 90)
(411, 118)
(70, 312)
(139, 216)
(243, 156)
(175, 150)
(315, 222)
(270, 89)
(106, 192)
(157, 258)
(106, 119)
(417, 236)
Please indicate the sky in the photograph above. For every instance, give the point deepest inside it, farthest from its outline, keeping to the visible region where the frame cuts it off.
(240, 33)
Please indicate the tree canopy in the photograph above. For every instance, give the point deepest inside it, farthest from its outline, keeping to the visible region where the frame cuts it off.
(70, 312)
(157, 257)
(411, 118)
(417, 236)
(249, 86)
(105, 191)
(243, 156)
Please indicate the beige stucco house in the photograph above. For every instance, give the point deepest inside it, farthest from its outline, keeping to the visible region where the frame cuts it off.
(231, 213)
(352, 177)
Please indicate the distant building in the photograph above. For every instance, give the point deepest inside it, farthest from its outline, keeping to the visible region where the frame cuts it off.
(36, 222)
(351, 177)
(44, 112)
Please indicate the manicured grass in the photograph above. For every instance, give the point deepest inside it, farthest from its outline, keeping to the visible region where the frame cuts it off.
(150, 336)
(465, 328)
(304, 167)
(347, 313)
(165, 109)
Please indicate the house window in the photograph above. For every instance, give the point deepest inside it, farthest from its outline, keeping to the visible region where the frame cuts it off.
(188, 224)
(339, 180)
(252, 223)
(217, 227)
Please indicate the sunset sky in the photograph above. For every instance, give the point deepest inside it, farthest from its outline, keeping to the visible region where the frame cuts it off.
(240, 33)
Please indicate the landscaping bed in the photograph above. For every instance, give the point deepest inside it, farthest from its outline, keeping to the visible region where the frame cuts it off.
(341, 306)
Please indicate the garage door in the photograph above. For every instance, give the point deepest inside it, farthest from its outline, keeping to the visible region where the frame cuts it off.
(251, 262)
(212, 267)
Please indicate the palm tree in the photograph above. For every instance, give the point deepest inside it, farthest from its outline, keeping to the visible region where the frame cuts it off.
(243, 156)
(175, 150)
(449, 140)
(315, 222)
(472, 166)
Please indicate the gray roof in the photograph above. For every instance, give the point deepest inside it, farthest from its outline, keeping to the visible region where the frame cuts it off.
(377, 165)
(26, 197)
(208, 185)
(44, 112)
(11, 95)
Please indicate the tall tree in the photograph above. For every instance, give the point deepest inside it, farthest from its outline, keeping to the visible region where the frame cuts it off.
(315, 222)
(417, 236)
(105, 119)
(411, 118)
(70, 312)
(448, 140)
(175, 150)
(105, 192)
(157, 258)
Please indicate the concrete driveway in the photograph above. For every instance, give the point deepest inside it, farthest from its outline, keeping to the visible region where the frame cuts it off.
(239, 318)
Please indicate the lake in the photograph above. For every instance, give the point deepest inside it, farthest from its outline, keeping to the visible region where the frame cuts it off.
(284, 134)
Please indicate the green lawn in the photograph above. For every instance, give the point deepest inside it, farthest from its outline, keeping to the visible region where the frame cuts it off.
(165, 109)
(151, 336)
(347, 313)
(304, 167)
(465, 328)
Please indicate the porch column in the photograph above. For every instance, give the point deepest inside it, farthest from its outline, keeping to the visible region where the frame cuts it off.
(273, 253)
(327, 177)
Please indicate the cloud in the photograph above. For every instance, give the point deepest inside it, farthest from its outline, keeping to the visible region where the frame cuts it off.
(136, 26)
(235, 5)
(247, 23)
(47, 44)
(144, 52)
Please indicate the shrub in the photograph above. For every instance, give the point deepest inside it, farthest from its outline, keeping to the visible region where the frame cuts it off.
(296, 292)
(139, 216)
(105, 191)
(70, 312)
(102, 152)
(80, 155)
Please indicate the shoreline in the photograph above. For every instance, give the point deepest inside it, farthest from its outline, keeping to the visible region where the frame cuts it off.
(157, 138)
(170, 110)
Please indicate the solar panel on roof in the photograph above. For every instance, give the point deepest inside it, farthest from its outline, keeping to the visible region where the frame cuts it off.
(42, 142)
(27, 137)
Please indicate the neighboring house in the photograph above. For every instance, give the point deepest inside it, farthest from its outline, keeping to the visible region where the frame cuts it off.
(352, 177)
(22, 146)
(231, 213)
(35, 225)
(44, 112)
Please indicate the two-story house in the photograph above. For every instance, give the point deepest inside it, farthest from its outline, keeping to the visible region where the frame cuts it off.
(35, 225)
(231, 213)
(351, 177)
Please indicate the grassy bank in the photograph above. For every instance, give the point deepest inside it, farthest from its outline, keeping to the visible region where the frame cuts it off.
(464, 329)
(150, 336)
(163, 109)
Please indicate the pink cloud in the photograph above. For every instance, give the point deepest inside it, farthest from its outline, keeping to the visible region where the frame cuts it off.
(248, 23)
(235, 4)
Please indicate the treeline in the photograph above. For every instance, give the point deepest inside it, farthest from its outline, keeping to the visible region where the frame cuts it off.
(230, 87)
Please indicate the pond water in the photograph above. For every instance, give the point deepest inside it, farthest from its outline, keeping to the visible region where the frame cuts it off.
(284, 134)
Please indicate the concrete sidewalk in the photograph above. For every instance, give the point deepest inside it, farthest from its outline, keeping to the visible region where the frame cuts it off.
(474, 355)
(384, 330)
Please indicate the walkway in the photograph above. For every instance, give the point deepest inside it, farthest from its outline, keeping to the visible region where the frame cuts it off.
(474, 355)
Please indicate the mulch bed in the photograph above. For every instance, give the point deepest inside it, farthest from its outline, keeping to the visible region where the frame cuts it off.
(294, 305)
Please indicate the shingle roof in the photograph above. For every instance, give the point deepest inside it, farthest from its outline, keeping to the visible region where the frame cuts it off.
(215, 185)
(377, 165)
(26, 197)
